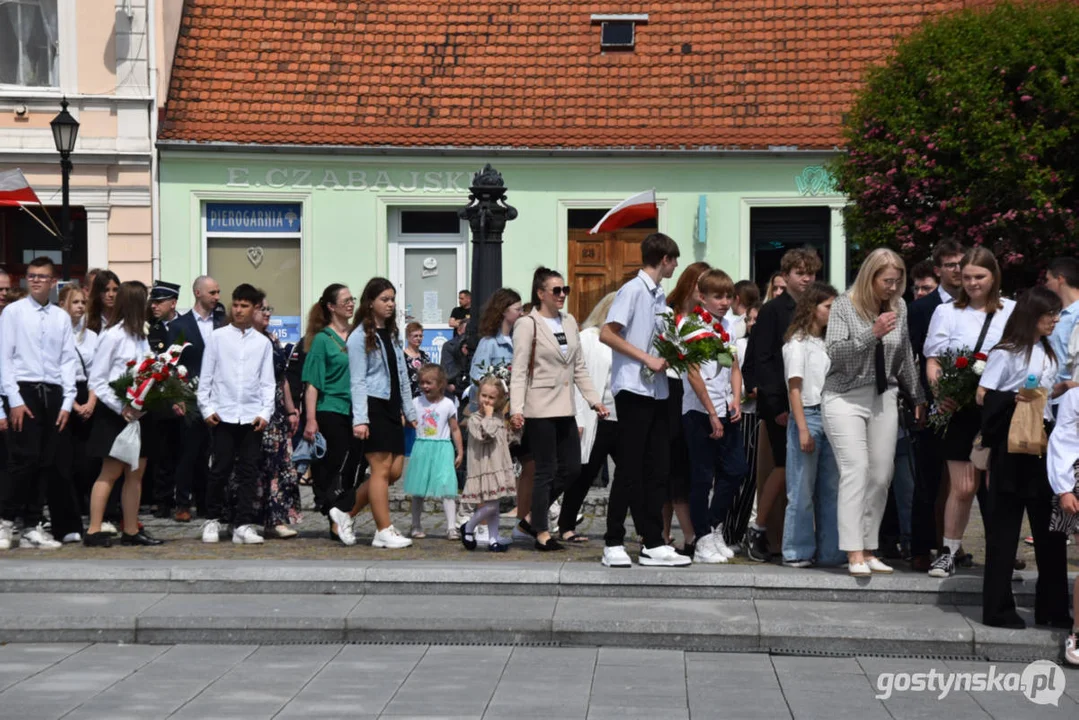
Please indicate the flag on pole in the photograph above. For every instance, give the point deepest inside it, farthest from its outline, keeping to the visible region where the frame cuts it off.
(631, 211)
(15, 191)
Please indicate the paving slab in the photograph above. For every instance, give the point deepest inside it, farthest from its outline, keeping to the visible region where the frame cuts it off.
(456, 578)
(72, 617)
(291, 577)
(248, 619)
(852, 628)
(716, 625)
(451, 618)
(79, 576)
(454, 681)
(1002, 644)
(19, 661)
(696, 581)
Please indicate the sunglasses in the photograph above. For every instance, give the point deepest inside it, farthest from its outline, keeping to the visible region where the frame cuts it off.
(564, 290)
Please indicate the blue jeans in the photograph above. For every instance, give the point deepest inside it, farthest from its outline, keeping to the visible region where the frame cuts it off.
(718, 467)
(811, 525)
(903, 487)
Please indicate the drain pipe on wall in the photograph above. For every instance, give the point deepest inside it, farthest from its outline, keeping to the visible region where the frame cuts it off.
(155, 187)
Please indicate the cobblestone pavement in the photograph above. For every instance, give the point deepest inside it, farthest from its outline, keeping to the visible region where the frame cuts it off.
(362, 682)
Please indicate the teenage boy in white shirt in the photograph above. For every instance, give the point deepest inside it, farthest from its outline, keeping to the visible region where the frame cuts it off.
(643, 454)
(236, 397)
(37, 374)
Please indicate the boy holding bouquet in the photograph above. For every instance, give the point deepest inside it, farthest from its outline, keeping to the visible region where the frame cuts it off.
(711, 417)
(236, 397)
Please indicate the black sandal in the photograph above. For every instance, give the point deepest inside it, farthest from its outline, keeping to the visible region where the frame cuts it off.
(575, 539)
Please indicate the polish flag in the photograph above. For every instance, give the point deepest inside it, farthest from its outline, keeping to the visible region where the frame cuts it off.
(15, 191)
(631, 211)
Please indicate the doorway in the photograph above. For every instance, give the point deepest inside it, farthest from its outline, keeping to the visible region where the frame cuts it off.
(775, 230)
(601, 263)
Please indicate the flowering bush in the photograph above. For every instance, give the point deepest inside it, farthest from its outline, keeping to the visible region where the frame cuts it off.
(968, 131)
(958, 381)
(156, 383)
(694, 338)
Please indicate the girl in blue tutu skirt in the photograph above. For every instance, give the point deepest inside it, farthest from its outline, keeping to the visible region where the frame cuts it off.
(431, 471)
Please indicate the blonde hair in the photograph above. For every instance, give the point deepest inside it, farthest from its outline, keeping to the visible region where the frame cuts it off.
(499, 386)
(861, 292)
(598, 316)
(65, 299)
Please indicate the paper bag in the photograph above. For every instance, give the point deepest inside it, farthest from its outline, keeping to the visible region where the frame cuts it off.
(1026, 434)
(127, 445)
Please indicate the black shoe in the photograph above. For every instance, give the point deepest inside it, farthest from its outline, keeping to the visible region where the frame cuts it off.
(688, 549)
(98, 539)
(550, 546)
(162, 512)
(1011, 622)
(140, 538)
(467, 539)
(526, 528)
(757, 545)
(1063, 623)
(964, 559)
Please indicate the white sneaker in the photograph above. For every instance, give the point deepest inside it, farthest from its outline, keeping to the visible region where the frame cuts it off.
(482, 534)
(72, 538)
(391, 539)
(554, 511)
(798, 563)
(108, 527)
(1071, 650)
(859, 569)
(38, 538)
(875, 565)
(246, 535)
(707, 551)
(211, 531)
(616, 557)
(717, 540)
(663, 556)
(7, 530)
(454, 534)
(344, 526)
(284, 532)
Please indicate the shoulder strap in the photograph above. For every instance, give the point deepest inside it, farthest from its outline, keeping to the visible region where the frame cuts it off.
(532, 354)
(985, 330)
(82, 362)
(337, 340)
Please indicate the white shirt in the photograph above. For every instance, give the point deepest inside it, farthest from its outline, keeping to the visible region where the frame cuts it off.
(952, 328)
(36, 346)
(750, 405)
(434, 417)
(945, 296)
(1064, 444)
(1007, 371)
(204, 324)
(237, 380)
(807, 358)
(115, 347)
(638, 308)
(717, 381)
(737, 324)
(86, 342)
(555, 324)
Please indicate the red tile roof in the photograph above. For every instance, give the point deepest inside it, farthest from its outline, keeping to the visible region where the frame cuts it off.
(745, 74)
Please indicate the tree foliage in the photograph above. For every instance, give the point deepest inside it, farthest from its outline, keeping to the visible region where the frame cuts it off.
(969, 131)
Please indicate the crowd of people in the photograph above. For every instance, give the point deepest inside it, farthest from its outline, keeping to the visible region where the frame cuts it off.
(834, 387)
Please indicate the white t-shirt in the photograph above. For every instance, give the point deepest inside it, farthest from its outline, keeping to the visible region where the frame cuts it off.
(1007, 371)
(807, 358)
(559, 333)
(953, 329)
(434, 418)
(717, 381)
(736, 323)
(1064, 444)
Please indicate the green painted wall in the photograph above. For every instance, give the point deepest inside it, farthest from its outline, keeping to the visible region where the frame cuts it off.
(345, 228)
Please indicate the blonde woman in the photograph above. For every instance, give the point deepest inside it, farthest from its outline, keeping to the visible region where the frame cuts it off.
(870, 353)
(73, 298)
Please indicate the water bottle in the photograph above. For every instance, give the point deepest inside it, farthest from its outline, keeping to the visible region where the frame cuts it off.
(1031, 383)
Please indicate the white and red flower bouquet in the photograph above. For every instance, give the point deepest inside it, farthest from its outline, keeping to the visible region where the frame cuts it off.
(692, 339)
(958, 381)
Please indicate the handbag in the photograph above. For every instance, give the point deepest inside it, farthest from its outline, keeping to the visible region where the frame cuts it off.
(1026, 433)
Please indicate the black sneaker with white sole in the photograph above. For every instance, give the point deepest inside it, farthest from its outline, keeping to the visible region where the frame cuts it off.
(757, 545)
(943, 566)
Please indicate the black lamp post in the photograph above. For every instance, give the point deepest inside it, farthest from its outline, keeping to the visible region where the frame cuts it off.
(487, 213)
(65, 129)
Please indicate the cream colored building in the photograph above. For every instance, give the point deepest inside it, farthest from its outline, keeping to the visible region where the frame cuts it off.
(114, 73)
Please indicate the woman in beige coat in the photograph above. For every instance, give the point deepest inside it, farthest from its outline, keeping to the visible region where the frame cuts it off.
(547, 364)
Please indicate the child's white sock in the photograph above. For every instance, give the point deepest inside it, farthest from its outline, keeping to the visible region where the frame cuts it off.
(449, 506)
(493, 522)
(482, 513)
(417, 512)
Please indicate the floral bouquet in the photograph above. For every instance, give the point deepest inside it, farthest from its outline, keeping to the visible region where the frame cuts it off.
(156, 383)
(691, 339)
(958, 381)
(499, 370)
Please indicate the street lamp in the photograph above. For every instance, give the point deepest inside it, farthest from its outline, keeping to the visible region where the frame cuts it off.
(64, 131)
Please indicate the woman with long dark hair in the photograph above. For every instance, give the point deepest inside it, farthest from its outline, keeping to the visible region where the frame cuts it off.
(328, 406)
(102, 300)
(380, 391)
(1018, 481)
(123, 341)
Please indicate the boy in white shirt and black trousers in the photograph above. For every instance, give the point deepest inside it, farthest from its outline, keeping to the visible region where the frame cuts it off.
(37, 372)
(236, 397)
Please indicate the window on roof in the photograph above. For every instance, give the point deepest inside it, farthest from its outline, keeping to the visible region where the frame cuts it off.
(29, 42)
(617, 34)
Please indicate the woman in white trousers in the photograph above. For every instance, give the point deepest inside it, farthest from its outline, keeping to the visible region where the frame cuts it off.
(871, 356)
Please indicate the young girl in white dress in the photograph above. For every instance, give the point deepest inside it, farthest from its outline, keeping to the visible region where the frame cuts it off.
(432, 469)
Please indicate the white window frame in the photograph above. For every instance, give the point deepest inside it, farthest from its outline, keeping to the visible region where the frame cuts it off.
(67, 59)
(399, 242)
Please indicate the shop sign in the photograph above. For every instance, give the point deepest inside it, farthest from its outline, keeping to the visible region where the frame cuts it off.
(433, 340)
(285, 328)
(433, 181)
(260, 218)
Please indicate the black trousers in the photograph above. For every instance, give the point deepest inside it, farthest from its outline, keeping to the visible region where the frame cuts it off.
(39, 463)
(167, 433)
(573, 496)
(235, 448)
(556, 448)
(334, 477)
(642, 466)
(191, 466)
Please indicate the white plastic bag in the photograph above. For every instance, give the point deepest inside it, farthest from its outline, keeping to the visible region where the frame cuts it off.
(127, 445)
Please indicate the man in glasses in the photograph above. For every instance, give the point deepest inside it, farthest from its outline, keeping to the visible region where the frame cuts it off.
(195, 327)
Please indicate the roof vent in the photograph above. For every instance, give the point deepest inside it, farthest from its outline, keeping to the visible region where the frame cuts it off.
(618, 32)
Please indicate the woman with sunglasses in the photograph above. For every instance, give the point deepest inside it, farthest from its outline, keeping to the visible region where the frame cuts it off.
(328, 406)
(547, 365)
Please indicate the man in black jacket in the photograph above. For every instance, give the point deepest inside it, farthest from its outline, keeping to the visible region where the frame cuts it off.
(947, 258)
(195, 327)
(763, 369)
(168, 429)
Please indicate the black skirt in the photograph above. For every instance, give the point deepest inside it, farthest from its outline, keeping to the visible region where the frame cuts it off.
(385, 431)
(678, 471)
(959, 436)
(105, 426)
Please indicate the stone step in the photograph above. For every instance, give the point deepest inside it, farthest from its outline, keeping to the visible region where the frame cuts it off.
(774, 626)
(533, 579)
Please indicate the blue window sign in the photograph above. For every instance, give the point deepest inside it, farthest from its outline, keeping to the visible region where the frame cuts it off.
(433, 340)
(261, 218)
(285, 328)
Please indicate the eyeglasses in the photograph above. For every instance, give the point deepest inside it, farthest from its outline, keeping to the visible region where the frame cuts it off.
(348, 301)
(36, 277)
(267, 310)
(564, 290)
(952, 265)
(890, 282)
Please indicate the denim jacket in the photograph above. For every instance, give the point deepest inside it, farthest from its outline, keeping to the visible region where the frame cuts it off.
(490, 351)
(369, 375)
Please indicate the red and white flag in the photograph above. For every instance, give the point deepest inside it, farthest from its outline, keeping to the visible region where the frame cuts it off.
(631, 211)
(15, 191)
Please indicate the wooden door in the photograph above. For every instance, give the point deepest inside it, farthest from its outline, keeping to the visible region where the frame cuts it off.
(599, 264)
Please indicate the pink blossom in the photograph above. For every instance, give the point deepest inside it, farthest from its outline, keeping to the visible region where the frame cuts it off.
(1063, 79)
(931, 146)
(1026, 98)
(1032, 68)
